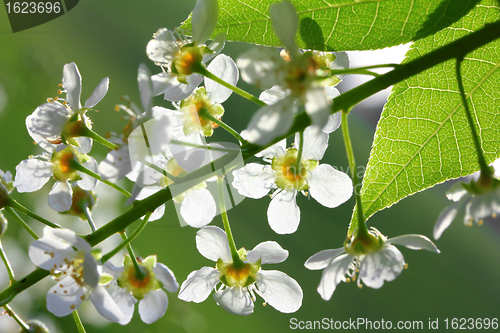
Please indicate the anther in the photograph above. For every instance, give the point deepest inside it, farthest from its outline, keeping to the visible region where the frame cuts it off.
(406, 266)
(480, 222)
(494, 215)
(347, 280)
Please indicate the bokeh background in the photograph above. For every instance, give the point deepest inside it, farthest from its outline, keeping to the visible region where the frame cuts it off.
(108, 38)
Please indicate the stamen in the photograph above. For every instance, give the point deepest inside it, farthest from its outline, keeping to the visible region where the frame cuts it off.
(480, 222)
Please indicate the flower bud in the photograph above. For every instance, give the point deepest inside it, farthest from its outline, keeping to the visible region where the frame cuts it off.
(35, 326)
(5, 188)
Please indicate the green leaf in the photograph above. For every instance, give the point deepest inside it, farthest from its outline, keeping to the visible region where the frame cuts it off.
(336, 25)
(423, 138)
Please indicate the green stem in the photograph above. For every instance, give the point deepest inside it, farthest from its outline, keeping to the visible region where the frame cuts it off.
(485, 169)
(139, 272)
(223, 213)
(18, 319)
(345, 101)
(96, 137)
(205, 114)
(127, 241)
(205, 72)
(7, 265)
(77, 166)
(88, 215)
(78, 322)
(16, 205)
(355, 181)
(25, 225)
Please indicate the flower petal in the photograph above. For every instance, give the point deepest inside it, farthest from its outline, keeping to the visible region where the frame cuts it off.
(278, 149)
(341, 62)
(153, 306)
(162, 48)
(285, 23)
(456, 192)
(212, 243)
(235, 300)
(87, 182)
(71, 238)
(204, 19)
(315, 144)
(90, 272)
(105, 305)
(317, 107)
(225, 68)
(47, 252)
(328, 186)
(216, 46)
(333, 275)
(98, 93)
(198, 208)
(32, 174)
(383, 265)
(62, 304)
(173, 90)
(199, 284)
(72, 83)
(146, 89)
(254, 180)
(116, 165)
(268, 252)
(262, 66)
(334, 122)
(447, 216)
(279, 290)
(270, 122)
(125, 301)
(283, 213)
(47, 120)
(166, 277)
(274, 94)
(414, 242)
(323, 258)
(61, 197)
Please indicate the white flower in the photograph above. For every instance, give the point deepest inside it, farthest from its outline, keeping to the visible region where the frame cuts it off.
(54, 122)
(148, 291)
(481, 198)
(239, 284)
(173, 51)
(117, 163)
(327, 185)
(6, 187)
(69, 259)
(376, 259)
(33, 173)
(197, 205)
(210, 98)
(300, 79)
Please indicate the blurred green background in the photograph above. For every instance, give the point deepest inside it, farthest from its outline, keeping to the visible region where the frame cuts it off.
(108, 38)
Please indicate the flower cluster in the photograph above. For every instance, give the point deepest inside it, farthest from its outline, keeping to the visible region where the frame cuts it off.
(164, 153)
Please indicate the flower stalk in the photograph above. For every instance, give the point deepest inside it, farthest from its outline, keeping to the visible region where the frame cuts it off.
(362, 230)
(5, 260)
(237, 262)
(18, 319)
(205, 114)
(486, 171)
(128, 240)
(78, 322)
(16, 205)
(205, 72)
(77, 166)
(23, 223)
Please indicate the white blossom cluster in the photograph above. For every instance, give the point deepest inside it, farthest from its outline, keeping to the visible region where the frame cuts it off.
(161, 148)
